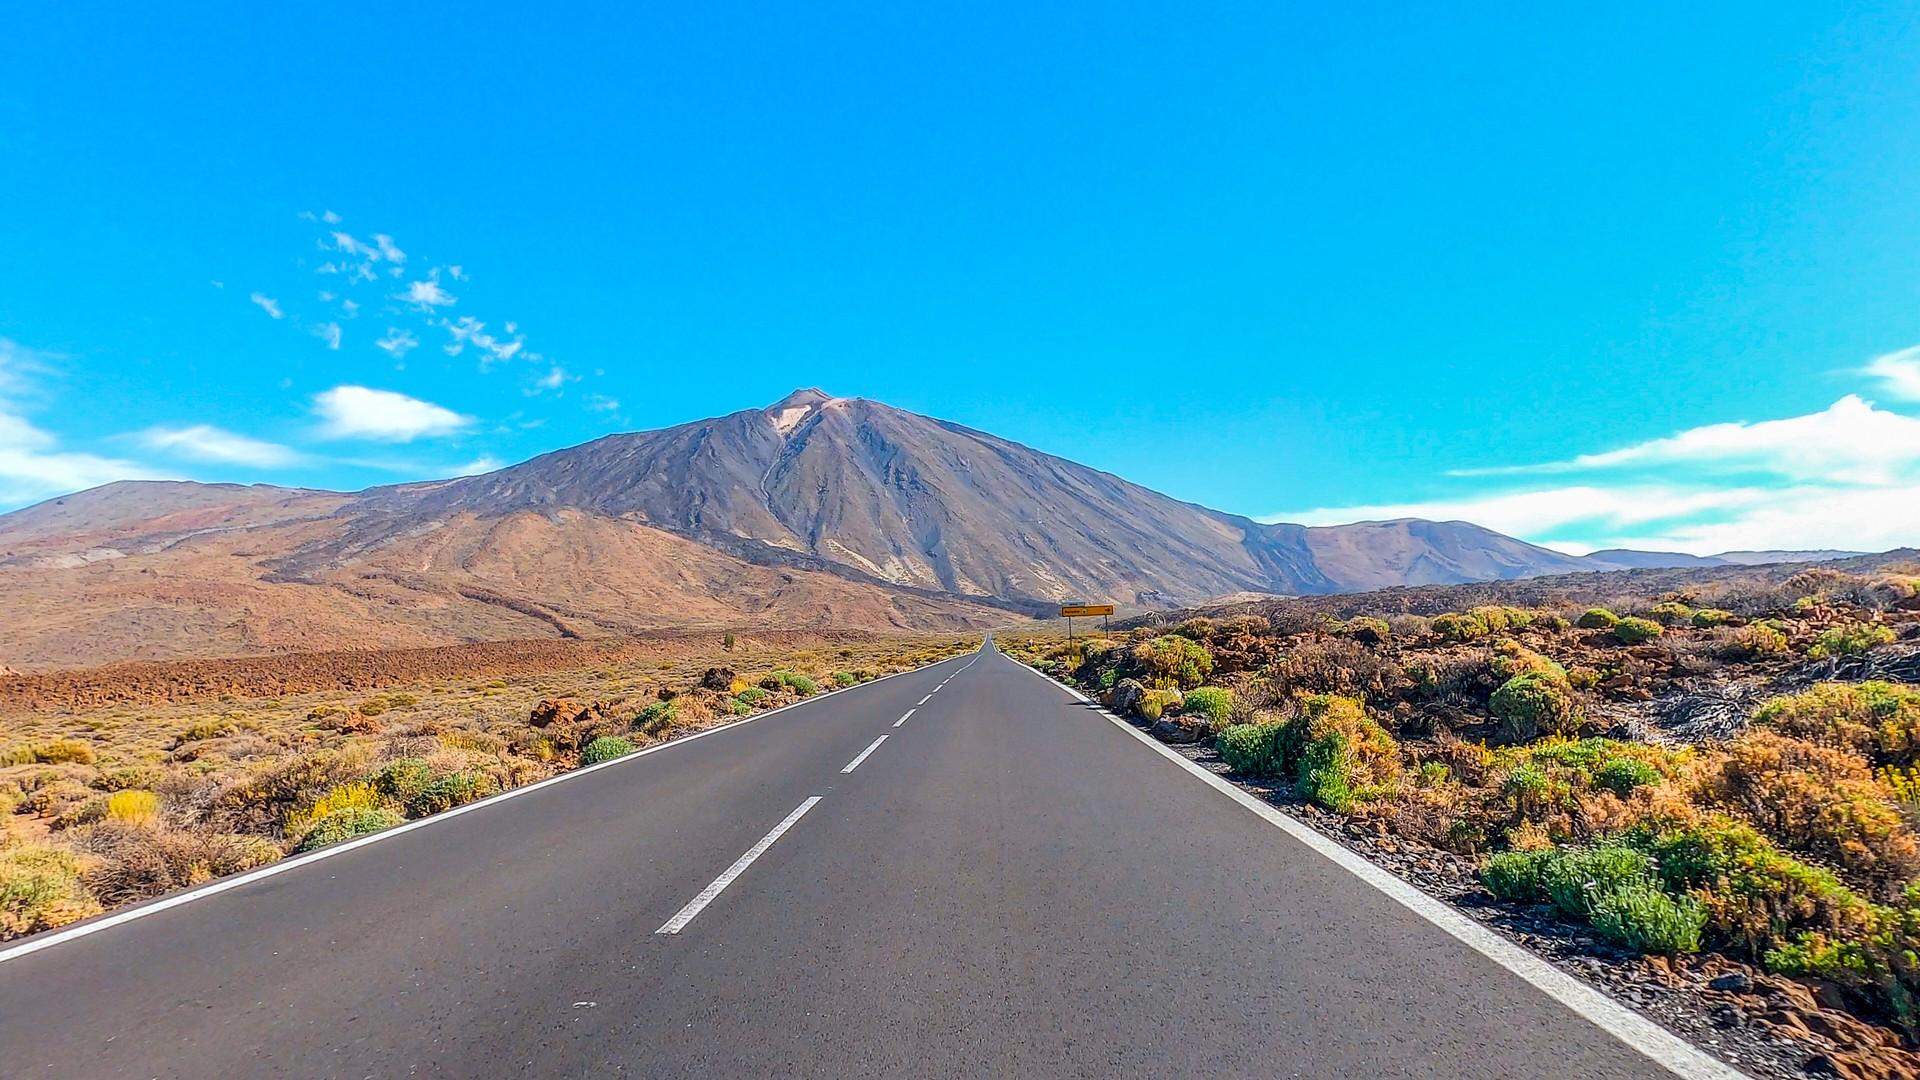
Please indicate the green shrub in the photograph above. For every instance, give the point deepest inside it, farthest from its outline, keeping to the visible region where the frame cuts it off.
(1759, 639)
(1598, 618)
(402, 779)
(1880, 720)
(1511, 658)
(1515, 875)
(1535, 704)
(1578, 880)
(1453, 627)
(40, 888)
(1340, 748)
(654, 719)
(347, 823)
(1671, 613)
(1850, 640)
(1211, 703)
(1641, 917)
(1155, 703)
(844, 679)
(605, 748)
(1622, 775)
(446, 791)
(1252, 749)
(1635, 631)
(1707, 617)
(1172, 662)
(1366, 629)
(800, 684)
(1551, 620)
(751, 697)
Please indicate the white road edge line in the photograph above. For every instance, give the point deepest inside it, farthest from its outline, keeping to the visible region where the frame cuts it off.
(697, 904)
(1663, 1047)
(80, 930)
(871, 747)
(903, 718)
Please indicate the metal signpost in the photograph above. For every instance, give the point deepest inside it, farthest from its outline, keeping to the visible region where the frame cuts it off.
(1071, 612)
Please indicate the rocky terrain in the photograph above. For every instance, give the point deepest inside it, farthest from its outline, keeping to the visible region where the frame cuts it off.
(1699, 787)
(816, 511)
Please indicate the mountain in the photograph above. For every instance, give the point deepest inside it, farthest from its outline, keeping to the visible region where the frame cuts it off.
(815, 510)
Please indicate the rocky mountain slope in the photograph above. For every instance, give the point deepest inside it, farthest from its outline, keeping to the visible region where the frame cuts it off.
(813, 511)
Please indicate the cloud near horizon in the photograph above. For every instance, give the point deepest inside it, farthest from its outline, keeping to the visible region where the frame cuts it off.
(358, 412)
(1847, 477)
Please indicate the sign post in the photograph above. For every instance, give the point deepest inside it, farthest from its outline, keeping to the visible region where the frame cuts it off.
(1071, 612)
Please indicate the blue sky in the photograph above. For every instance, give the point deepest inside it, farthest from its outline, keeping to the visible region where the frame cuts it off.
(1594, 275)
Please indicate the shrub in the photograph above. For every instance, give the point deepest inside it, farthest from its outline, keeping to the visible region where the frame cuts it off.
(844, 679)
(1340, 748)
(1155, 703)
(359, 796)
(1515, 875)
(654, 719)
(1211, 703)
(1512, 658)
(1638, 915)
(1252, 749)
(1453, 627)
(448, 790)
(401, 779)
(1849, 640)
(1367, 629)
(1551, 620)
(1819, 800)
(1635, 631)
(1759, 639)
(1706, 617)
(1597, 619)
(40, 888)
(799, 684)
(1622, 775)
(1671, 613)
(1878, 719)
(345, 825)
(64, 752)
(1535, 704)
(605, 748)
(751, 697)
(1578, 880)
(137, 808)
(1172, 662)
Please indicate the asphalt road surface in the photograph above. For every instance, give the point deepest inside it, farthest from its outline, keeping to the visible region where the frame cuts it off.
(1006, 885)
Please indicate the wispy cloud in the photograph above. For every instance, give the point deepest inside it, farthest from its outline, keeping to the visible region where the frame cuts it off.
(32, 463)
(329, 333)
(1851, 440)
(267, 304)
(398, 343)
(1845, 477)
(426, 295)
(204, 442)
(1898, 373)
(357, 412)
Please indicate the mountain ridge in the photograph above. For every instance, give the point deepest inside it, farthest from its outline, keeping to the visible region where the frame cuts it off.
(811, 510)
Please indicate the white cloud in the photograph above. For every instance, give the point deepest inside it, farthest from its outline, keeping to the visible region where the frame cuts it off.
(204, 442)
(345, 242)
(329, 333)
(266, 303)
(426, 295)
(32, 465)
(602, 403)
(1897, 372)
(459, 273)
(1541, 512)
(398, 343)
(350, 309)
(357, 412)
(552, 380)
(1850, 441)
(385, 247)
(482, 464)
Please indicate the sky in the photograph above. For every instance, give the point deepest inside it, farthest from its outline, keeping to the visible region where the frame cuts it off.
(1592, 275)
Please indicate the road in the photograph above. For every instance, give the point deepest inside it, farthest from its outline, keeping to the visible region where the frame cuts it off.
(1007, 885)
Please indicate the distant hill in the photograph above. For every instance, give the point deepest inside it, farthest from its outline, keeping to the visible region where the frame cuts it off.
(813, 511)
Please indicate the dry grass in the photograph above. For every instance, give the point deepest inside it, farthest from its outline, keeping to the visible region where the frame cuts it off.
(110, 805)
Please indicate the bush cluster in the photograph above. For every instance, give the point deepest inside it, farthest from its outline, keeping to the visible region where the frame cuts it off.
(1850, 640)
(1612, 886)
(1334, 751)
(1173, 662)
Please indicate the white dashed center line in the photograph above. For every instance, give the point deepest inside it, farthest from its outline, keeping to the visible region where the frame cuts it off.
(903, 718)
(679, 922)
(923, 701)
(855, 763)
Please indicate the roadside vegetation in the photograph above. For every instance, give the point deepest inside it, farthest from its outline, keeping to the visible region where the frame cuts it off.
(1730, 770)
(110, 806)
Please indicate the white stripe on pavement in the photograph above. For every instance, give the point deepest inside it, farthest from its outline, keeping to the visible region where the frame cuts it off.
(855, 763)
(697, 904)
(903, 718)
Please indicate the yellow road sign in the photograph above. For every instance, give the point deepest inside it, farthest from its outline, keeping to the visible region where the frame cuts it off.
(1082, 611)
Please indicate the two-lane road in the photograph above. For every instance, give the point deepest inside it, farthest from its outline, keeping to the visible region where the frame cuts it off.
(962, 871)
